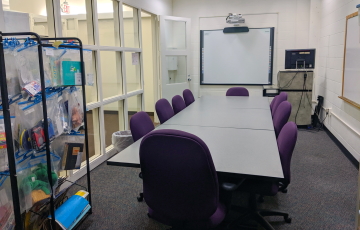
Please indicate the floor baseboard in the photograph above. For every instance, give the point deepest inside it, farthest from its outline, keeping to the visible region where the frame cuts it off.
(346, 152)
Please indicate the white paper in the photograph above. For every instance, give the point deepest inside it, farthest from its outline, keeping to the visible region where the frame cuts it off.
(90, 79)
(49, 52)
(77, 78)
(135, 58)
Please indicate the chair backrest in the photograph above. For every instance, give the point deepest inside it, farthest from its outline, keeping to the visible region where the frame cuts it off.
(178, 103)
(188, 97)
(163, 110)
(140, 125)
(280, 98)
(286, 144)
(272, 103)
(237, 91)
(281, 116)
(179, 176)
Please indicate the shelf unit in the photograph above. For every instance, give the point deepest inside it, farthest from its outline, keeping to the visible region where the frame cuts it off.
(41, 42)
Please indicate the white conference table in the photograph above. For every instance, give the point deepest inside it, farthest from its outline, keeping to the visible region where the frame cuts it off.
(240, 137)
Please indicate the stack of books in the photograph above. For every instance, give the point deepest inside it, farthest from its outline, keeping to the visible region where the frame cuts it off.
(72, 211)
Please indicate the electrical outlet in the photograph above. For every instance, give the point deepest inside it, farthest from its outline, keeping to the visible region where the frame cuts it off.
(327, 111)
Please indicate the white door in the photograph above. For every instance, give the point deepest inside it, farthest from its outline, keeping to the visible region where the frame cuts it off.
(175, 53)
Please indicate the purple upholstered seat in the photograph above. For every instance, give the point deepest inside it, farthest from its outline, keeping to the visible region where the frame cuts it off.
(237, 91)
(179, 179)
(280, 98)
(281, 116)
(140, 125)
(188, 97)
(178, 103)
(164, 110)
(273, 102)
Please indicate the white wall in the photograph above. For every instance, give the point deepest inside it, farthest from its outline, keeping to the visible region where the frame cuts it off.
(329, 22)
(291, 22)
(159, 7)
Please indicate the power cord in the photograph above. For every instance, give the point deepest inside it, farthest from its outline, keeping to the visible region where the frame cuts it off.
(302, 94)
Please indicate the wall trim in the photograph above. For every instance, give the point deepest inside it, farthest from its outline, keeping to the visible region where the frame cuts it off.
(346, 152)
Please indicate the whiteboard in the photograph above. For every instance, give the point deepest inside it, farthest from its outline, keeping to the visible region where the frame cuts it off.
(237, 58)
(351, 71)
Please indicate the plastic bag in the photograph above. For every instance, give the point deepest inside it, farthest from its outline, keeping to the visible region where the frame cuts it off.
(71, 67)
(63, 100)
(52, 60)
(7, 219)
(31, 128)
(121, 140)
(55, 116)
(89, 68)
(50, 67)
(75, 109)
(12, 77)
(27, 62)
(70, 149)
(4, 164)
(33, 176)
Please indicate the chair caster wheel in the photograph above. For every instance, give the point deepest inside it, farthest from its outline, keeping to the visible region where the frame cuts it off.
(141, 197)
(284, 191)
(288, 220)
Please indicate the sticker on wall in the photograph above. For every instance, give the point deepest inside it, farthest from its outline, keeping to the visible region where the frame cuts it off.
(135, 58)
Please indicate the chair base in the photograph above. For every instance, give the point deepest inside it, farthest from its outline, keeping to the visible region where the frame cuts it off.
(257, 215)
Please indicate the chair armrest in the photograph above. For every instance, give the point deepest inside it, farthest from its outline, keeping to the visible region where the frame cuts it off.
(230, 187)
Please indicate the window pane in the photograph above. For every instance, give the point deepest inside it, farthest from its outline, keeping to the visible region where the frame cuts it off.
(76, 17)
(131, 27)
(133, 105)
(111, 73)
(23, 16)
(93, 133)
(175, 34)
(90, 71)
(176, 66)
(108, 31)
(114, 119)
(132, 71)
(148, 52)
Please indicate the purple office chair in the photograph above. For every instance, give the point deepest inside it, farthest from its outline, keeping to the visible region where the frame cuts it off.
(286, 144)
(272, 103)
(280, 98)
(140, 125)
(164, 110)
(178, 103)
(188, 97)
(281, 116)
(180, 180)
(237, 91)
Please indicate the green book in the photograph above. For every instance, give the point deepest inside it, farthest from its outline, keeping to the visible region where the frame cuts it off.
(71, 73)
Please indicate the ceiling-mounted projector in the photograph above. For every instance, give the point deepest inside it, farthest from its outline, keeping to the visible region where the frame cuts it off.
(235, 19)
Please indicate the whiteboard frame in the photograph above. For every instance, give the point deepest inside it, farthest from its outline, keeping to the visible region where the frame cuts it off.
(353, 103)
(272, 38)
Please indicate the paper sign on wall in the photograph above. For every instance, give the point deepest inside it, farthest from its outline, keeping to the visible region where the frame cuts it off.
(135, 58)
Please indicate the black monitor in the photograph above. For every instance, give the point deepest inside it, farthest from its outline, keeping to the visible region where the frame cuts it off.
(300, 59)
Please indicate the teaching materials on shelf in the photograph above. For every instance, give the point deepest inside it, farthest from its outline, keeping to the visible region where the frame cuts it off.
(69, 213)
(72, 156)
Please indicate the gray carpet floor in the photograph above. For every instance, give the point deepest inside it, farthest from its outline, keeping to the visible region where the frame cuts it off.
(322, 193)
